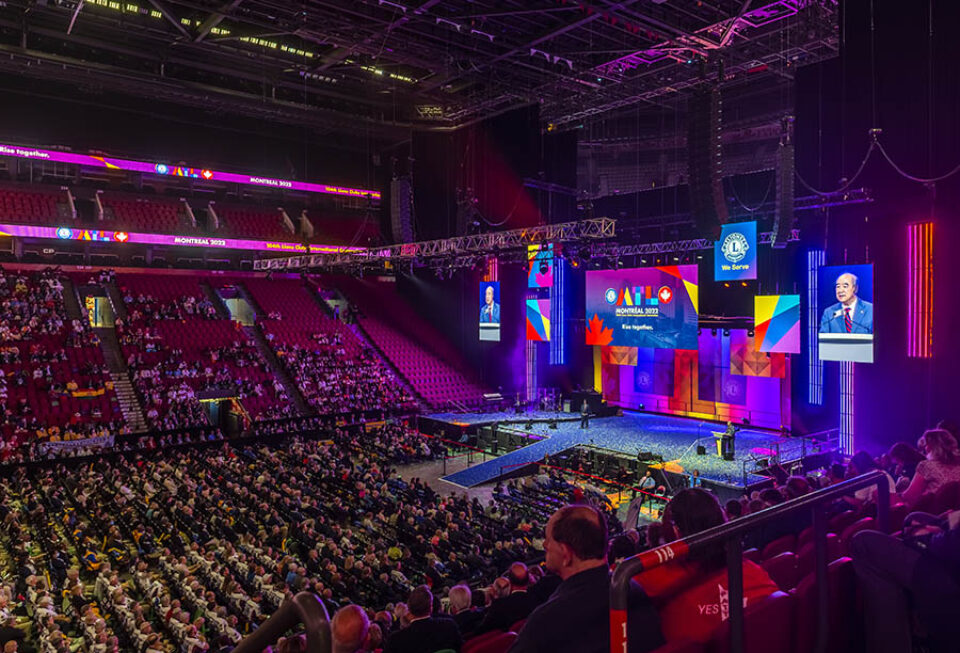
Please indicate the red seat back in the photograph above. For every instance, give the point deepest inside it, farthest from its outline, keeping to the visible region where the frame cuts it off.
(768, 627)
(782, 569)
(778, 546)
(843, 622)
(472, 644)
(865, 524)
(501, 643)
(807, 556)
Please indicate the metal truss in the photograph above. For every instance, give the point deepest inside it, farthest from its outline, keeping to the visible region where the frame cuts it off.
(600, 250)
(451, 248)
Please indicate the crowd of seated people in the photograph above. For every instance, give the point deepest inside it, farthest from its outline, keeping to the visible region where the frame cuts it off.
(333, 382)
(219, 356)
(230, 533)
(54, 385)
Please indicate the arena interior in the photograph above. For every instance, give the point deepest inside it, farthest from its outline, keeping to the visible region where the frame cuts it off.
(475, 326)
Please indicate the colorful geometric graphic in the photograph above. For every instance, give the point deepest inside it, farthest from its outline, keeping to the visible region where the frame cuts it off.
(619, 355)
(538, 320)
(777, 323)
(540, 266)
(745, 360)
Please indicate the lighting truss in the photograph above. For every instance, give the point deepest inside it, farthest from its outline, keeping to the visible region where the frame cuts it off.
(452, 248)
(599, 250)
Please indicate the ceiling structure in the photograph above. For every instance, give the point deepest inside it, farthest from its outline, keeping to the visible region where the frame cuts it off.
(382, 67)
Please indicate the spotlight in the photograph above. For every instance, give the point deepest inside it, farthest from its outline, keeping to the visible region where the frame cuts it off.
(726, 333)
(713, 332)
(743, 283)
(699, 332)
(750, 333)
(544, 267)
(726, 284)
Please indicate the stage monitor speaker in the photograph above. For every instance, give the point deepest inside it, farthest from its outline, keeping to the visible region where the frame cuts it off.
(401, 209)
(708, 206)
(701, 450)
(783, 216)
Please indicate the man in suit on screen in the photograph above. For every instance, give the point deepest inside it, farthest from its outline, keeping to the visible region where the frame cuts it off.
(850, 314)
(490, 311)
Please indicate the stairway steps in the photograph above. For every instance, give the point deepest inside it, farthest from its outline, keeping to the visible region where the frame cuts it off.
(292, 389)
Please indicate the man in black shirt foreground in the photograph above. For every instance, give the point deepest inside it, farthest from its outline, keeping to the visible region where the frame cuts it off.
(577, 616)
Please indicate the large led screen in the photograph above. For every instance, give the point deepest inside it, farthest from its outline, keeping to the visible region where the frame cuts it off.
(490, 311)
(538, 320)
(735, 254)
(643, 307)
(777, 323)
(846, 313)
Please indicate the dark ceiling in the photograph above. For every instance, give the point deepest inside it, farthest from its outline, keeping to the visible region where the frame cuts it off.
(380, 68)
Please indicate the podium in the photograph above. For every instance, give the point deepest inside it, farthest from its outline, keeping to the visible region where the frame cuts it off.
(725, 449)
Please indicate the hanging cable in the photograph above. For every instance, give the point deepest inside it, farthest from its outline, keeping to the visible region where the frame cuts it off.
(849, 183)
(920, 180)
(766, 195)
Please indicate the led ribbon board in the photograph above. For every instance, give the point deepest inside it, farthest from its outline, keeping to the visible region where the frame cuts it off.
(165, 169)
(105, 236)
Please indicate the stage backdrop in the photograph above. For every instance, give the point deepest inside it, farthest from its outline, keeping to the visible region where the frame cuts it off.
(724, 378)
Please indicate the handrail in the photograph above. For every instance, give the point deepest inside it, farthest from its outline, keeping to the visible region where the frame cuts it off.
(731, 534)
(304, 608)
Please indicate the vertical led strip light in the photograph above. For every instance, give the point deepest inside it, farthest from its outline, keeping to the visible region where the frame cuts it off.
(815, 260)
(847, 421)
(557, 344)
(920, 289)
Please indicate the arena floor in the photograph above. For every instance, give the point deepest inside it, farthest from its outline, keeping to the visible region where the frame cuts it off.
(674, 438)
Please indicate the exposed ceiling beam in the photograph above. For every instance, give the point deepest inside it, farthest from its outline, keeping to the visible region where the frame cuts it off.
(340, 54)
(534, 43)
(215, 19)
(159, 6)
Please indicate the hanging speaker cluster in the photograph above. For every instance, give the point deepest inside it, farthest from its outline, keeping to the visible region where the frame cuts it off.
(401, 209)
(783, 217)
(708, 205)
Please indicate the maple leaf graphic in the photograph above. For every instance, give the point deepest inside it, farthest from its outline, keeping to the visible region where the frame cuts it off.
(596, 334)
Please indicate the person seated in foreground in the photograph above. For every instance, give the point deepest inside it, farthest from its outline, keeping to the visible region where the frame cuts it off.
(576, 618)
(349, 629)
(464, 614)
(517, 604)
(942, 465)
(425, 633)
(691, 594)
(921, 570)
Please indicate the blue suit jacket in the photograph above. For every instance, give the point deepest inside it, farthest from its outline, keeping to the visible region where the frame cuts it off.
(862, 318)
(487, 319)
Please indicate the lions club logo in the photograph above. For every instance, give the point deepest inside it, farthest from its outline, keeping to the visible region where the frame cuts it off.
(735, 247)
(665, 294)
(610, 296)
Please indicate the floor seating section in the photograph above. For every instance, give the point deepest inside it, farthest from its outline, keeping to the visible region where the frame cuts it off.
(40, 366)
(252, 222)
(40, 205)
(139, 213)
(421, 353)
(322, 353)
(196, 349)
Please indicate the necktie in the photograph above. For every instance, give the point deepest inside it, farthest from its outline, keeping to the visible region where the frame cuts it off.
(847, 322)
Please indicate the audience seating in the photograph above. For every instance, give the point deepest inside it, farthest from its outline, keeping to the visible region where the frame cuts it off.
(864, 524)
(188, 341)
(418, 350)
(139, 213)
(783, 570)
(40, 205)
(842, 597)
(778, 546)
(343, 229)
(252, 222)
(768, 627)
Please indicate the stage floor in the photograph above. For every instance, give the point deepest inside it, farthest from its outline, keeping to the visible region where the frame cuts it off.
(674, 438)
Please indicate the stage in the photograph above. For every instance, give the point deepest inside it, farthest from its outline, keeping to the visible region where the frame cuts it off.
(673, 438)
